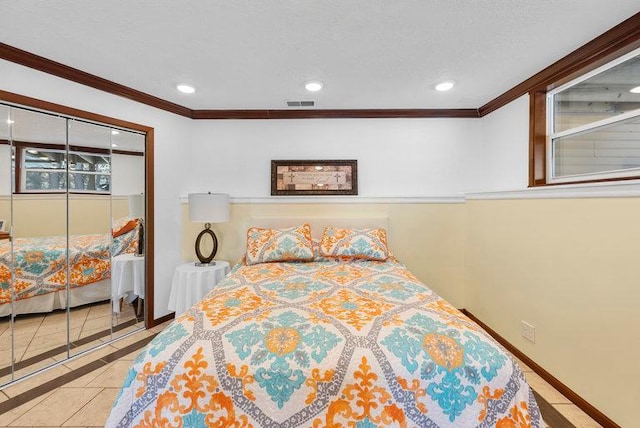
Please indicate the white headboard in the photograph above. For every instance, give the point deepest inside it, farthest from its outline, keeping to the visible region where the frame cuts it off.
(319, 223)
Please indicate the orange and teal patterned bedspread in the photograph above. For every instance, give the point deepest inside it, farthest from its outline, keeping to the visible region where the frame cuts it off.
(324, 344)
(41, 263)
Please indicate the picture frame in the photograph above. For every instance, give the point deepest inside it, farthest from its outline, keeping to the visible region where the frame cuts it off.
(3, 223)
(314, 177)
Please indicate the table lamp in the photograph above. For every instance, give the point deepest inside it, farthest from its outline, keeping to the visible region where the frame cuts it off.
(208, 208)
(136, 209)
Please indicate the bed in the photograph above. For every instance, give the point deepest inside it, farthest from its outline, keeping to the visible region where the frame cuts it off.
(41, 269)
(333, 334)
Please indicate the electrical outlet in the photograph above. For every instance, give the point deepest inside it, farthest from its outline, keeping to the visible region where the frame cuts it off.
(528, 331)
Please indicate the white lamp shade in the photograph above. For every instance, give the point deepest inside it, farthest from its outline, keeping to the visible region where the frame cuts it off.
(136, 206)
(208, 207)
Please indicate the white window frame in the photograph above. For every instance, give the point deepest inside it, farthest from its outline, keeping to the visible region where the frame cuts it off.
(552, 136)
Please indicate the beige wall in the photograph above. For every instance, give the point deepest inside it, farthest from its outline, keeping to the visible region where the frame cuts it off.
(428, 238)
(569, 267)
(45, 215)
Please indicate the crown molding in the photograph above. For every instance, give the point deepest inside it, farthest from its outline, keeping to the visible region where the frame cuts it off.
(622, 38)
(36, 62)
(335, 114)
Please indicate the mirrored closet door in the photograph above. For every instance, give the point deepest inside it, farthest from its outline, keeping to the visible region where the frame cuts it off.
(72, 264)
(6, 337)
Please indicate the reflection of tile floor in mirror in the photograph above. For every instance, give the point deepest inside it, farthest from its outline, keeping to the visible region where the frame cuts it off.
(39, 333)
(87, 399)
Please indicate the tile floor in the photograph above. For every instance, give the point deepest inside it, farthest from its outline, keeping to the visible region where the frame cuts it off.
(86, 401)
(39, 334)
(82, 402)
(561, 403)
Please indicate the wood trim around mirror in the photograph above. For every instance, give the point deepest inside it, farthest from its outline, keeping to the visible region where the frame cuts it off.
(22, 101)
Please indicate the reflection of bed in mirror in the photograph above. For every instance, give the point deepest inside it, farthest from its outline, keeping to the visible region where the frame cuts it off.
(41, 269)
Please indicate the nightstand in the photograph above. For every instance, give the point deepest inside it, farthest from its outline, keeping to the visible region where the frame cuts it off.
(191, 283)
(127, 281)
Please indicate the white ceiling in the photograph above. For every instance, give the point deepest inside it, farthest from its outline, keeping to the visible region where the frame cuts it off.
(244, 54)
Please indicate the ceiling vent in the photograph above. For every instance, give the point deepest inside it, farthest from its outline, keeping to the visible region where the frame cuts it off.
(301, 103)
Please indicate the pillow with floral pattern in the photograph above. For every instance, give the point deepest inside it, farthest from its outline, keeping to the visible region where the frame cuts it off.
(279, 245)
(367, 244)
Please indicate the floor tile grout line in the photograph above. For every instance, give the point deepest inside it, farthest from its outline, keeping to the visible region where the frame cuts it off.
(85, 404)
(84, 322)
(33, 336)
(35, 333)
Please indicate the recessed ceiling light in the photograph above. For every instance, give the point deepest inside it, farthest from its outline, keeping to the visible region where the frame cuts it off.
(313, 86)
(114, 145)
(635, 90)
(9, 121)
(444, 86)
(186, 89)
(114, 132)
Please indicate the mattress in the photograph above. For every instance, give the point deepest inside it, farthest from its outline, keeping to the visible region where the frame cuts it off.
(324, 343)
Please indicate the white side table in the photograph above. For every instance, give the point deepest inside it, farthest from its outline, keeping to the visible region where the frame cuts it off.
(191, 283)
(127, 278)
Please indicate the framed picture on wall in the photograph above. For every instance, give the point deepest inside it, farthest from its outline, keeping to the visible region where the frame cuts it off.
(2, 224)
(314, 177)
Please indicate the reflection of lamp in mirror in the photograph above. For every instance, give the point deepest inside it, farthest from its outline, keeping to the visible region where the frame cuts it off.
(136, 209)
(208, 208)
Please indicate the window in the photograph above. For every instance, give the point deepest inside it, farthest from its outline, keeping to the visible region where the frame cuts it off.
(594, 124)
(588, 129)
(45, 170)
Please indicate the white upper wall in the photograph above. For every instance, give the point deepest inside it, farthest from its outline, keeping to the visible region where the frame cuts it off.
(127, 174)
(396, 157)
(505, 148)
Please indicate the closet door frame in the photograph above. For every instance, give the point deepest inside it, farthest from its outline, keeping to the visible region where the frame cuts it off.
(24, 101)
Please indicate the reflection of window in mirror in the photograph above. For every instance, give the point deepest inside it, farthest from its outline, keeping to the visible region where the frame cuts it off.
(45, 171)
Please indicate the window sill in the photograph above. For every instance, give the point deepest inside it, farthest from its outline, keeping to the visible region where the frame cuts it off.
(607, 189)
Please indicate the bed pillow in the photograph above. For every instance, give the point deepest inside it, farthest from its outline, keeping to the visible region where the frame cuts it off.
(279, 245)
(123, 225)
(367, 244)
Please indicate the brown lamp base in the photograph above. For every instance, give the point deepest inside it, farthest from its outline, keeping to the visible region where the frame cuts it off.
(206, 260)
